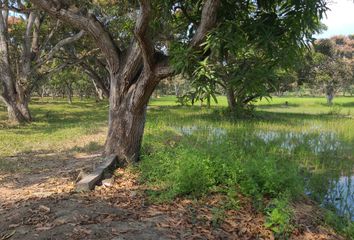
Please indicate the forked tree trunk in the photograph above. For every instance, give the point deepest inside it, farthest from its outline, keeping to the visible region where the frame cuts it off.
(14, 114)
(127, 114)
(17, 106)
(12, 95)
(134, 73)
(22, 102)
(17, 86)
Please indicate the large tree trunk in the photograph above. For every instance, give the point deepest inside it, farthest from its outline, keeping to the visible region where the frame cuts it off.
(125, 132)
(134, 73)
(127, 114)
(14, 113)
(23, 99)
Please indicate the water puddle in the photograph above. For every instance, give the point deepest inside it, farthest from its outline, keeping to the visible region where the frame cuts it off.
(186, 130)
(341, 196)
(214, 134)
(317, 142)
(337, 192)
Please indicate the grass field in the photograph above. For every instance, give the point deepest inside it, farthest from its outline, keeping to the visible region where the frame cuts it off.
(282, 154)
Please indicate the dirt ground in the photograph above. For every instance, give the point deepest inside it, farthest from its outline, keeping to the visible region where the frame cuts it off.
(38, 201)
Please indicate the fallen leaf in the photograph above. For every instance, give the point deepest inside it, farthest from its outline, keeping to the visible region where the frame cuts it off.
(43, 228)
(43, 208)
(14, 225)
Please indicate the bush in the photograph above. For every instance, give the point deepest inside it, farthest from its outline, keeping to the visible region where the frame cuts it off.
(193, 176)
(267, 175)
(186, 170)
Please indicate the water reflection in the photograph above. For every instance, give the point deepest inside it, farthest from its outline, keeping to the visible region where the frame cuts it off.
(214, 134)
(317, 142)
(332, 190)
(331, 187)
(341, 196)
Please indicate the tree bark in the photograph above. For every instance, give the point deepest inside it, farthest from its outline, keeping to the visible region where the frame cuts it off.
(125, 132)
(231, 100)
(134, 73)
(12, 94)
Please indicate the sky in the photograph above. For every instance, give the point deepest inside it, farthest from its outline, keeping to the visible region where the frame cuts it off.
(340, 20)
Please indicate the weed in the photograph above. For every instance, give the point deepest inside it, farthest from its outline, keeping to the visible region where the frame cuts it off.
(340, 224)
(279, 218)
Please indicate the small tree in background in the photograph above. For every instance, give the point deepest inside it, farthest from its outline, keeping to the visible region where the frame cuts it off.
(332, 66)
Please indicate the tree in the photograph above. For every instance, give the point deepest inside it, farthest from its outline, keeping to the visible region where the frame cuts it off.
(14, 88)
(68, 82)
(25, 46)
(332, 66)
(138, 42)
(134, 69)
(254, 42)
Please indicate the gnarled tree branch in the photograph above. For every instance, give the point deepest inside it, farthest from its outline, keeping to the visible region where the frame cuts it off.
(59, 45)
(87, 23)
(208, 22)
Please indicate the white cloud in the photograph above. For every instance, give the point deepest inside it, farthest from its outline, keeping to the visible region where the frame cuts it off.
(340, 19)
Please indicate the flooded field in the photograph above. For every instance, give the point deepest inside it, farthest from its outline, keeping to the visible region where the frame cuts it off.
(336, 187)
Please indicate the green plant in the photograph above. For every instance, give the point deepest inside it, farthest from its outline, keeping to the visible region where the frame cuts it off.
(192, 176)
(266, 175)
(279, 218)
(183, 100)
(340, 224)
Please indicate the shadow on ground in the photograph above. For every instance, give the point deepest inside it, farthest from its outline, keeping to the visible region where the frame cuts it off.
(38, 201)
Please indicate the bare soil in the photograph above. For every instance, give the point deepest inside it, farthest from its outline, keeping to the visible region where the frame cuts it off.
(38, 201)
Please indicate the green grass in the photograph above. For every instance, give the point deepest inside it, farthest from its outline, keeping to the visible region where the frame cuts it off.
(57, 126)
(285, 151)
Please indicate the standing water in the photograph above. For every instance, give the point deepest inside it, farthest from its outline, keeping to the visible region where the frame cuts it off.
(339, 188)
(333, 191)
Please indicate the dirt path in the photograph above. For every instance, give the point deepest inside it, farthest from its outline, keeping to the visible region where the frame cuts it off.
(37, 201)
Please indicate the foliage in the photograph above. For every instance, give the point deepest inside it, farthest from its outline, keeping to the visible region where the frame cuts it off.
(184, 100)
(329, 68)
(340, 224)
(250, 49)
(279, 218)
(69, 82)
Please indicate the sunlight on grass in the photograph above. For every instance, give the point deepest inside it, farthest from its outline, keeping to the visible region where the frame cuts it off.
(285, 152)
